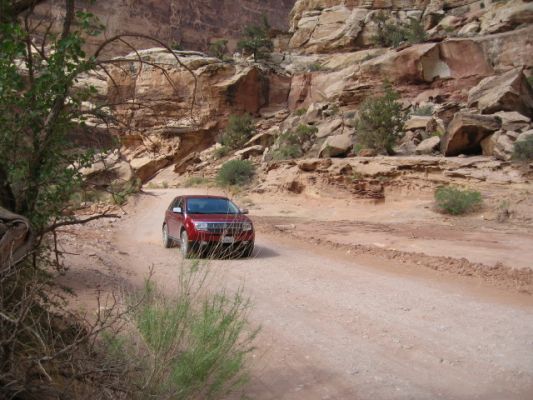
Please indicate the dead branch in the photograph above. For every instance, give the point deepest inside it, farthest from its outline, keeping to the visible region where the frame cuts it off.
(107, 42)
(78, 221)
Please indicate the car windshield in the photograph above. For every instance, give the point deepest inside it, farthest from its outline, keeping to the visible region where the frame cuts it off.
(210, 205)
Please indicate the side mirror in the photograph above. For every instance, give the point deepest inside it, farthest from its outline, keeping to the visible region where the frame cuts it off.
(244, 211)
(177, 210)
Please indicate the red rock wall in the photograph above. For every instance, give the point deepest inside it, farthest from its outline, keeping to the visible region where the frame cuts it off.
(193, 23)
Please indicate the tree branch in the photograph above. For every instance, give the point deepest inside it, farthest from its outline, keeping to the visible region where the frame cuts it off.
(78, 221)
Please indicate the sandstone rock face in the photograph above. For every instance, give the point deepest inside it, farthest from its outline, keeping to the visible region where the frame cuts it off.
(506, 92)
(191, 23)
(505, 16)
(163, 124)
(425, 62)
(465, 133)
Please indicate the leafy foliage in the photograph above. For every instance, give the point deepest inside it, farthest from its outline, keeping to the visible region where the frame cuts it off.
(424, 111)
(218, 48)
(39, 165)
(380, 121)
(236, 172)
(256, 40)
(197, 342)
(392, 34)
(523, 149)
(239, 130)
(221, 151)
(290, 144)
(455, 201)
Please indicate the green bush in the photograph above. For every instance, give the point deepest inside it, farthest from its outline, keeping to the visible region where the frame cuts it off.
(289, 144)
(188, 345)
(221, 151)
(523, 149)
(301, 111)
(455, 201)
(196, 181)
(424, 111)
(239, 130)
(256, 40)
(392, 34)
(236, 172)
(380, 121)
(218, 48)
(314, 67)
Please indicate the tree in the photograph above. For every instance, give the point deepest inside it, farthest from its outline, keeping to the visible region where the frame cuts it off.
(218, 48)
(256, 40)
(380, 121)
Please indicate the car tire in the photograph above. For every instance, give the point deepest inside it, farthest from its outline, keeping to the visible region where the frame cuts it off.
(167, 241)
(248, 250)
(185, 245)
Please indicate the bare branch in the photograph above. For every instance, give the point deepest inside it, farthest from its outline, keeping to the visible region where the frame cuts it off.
(78, 221)
(107, 42)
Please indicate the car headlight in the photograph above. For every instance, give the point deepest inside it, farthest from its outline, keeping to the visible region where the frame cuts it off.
(247, 226)
(200, 226)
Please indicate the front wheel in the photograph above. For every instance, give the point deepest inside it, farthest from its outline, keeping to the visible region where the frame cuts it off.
(248, 250)
(185, 245)
(167, 241)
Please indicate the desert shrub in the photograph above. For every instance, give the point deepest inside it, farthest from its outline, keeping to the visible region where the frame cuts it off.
(221, 151)
(424, 111)
(530, 80)
(314, 67)
(380, 121)
(290, 143)
(287, 152)
(218, 48)
(392, 34)
(198, 350)
(236, 172)
(523, 149)
(195, 181)
(256, 40)
(414, 31)
(239, 130)
(301, 111)
(456, 201)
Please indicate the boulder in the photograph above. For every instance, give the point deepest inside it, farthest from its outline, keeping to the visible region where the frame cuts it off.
(509, 91)
(264, 139)
(500, 144)
(419, 122)
(146, 167)
(426, 61)
(328, 128)
(466, 131)
(336, 146)
(513, 121)
(314, 164)
(428, 146)
(333, 28)
(251, 151)
(470, 29)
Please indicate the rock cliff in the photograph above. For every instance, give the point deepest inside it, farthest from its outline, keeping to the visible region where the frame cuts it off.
(190, 23)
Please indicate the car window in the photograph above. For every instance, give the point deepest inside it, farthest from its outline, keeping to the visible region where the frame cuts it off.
(210, 205)
(175, 203)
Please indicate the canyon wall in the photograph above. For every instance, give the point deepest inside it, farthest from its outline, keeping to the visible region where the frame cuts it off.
(190, 23)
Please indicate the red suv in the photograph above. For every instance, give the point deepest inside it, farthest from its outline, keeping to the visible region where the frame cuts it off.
(199, 223)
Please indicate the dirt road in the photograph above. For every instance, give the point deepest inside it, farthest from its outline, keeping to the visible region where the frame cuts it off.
(335, 327)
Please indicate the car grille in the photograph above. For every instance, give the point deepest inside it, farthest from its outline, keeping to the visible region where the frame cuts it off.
(224, 227)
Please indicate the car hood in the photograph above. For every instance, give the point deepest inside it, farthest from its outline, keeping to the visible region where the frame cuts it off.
(219, 217)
